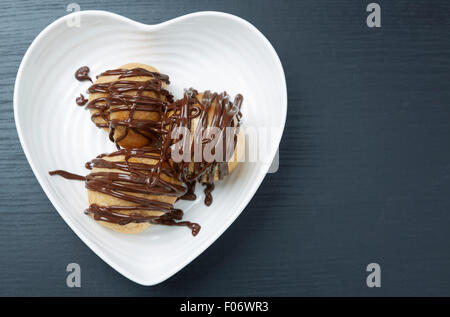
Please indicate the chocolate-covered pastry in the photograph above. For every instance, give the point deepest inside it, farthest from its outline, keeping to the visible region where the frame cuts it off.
(213, 121)
(129, 189)
(128, 102)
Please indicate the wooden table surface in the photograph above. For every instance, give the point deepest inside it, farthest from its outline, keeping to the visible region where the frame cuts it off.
(364, 160)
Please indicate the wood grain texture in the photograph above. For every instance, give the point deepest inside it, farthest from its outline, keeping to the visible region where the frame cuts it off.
(364, 161)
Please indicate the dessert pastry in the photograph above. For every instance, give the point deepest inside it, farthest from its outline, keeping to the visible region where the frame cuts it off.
(128, 102)
(213, 143)
(130, 189)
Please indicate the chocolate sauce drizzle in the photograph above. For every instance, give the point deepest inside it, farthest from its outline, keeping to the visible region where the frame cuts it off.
(133, 177)
(189, 195)
(81, 101)
(68, 175)
(209, 187)
(119, 97)
(82, 74)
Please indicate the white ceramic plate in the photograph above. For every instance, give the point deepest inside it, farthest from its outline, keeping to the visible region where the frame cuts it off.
(205, 50)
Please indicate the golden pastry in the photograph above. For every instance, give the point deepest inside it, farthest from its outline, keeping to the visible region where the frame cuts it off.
(212, 122)
(130, 189)
(128, 102)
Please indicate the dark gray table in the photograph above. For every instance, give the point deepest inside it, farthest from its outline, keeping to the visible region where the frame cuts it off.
(364, 172)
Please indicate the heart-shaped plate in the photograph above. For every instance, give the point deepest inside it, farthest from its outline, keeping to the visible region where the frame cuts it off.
(204, 50)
